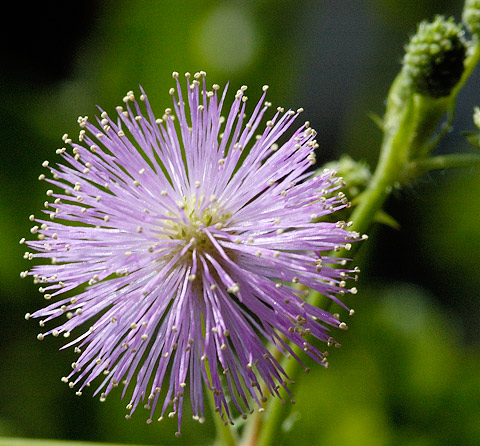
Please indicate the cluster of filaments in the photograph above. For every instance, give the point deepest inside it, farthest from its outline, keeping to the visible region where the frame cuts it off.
(132, 220)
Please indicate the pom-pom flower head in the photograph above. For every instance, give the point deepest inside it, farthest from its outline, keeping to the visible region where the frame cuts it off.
(184, 242)
(434, 57)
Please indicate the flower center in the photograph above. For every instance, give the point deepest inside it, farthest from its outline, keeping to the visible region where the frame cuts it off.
(191, 222)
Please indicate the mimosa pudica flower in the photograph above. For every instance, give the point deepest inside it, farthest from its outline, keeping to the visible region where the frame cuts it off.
(178, 246)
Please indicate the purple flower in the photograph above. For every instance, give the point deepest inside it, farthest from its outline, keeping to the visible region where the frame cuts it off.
(185, 242)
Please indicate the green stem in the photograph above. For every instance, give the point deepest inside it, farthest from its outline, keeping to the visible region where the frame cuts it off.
(429, 112)
(268, 424)
(444, 162)
(264, 427)
(390, 171)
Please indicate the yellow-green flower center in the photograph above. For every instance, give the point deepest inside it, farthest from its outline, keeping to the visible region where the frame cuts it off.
(189, 224)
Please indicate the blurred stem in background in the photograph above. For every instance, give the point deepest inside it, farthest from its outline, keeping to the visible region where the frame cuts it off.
(437, 64)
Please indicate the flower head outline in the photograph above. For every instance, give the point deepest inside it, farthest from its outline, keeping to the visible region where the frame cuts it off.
(185, 241)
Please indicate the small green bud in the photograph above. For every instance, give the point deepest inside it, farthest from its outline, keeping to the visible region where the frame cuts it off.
(434, 58)
(471, 16)
(355, 174)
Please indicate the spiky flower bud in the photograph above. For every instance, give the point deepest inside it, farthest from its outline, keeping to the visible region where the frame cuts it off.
(471, 16)
(356, 174)
(434, 58)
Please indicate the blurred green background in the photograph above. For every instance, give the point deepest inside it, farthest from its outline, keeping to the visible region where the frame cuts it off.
(409, 369)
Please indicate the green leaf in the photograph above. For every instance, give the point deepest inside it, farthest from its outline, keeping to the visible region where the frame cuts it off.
(386, 219)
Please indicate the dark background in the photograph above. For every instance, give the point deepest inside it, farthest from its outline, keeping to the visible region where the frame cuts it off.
(408, 372)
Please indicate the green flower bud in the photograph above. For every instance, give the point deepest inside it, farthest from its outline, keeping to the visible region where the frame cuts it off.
(355, 174)
(471, 16)
(434, 58)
